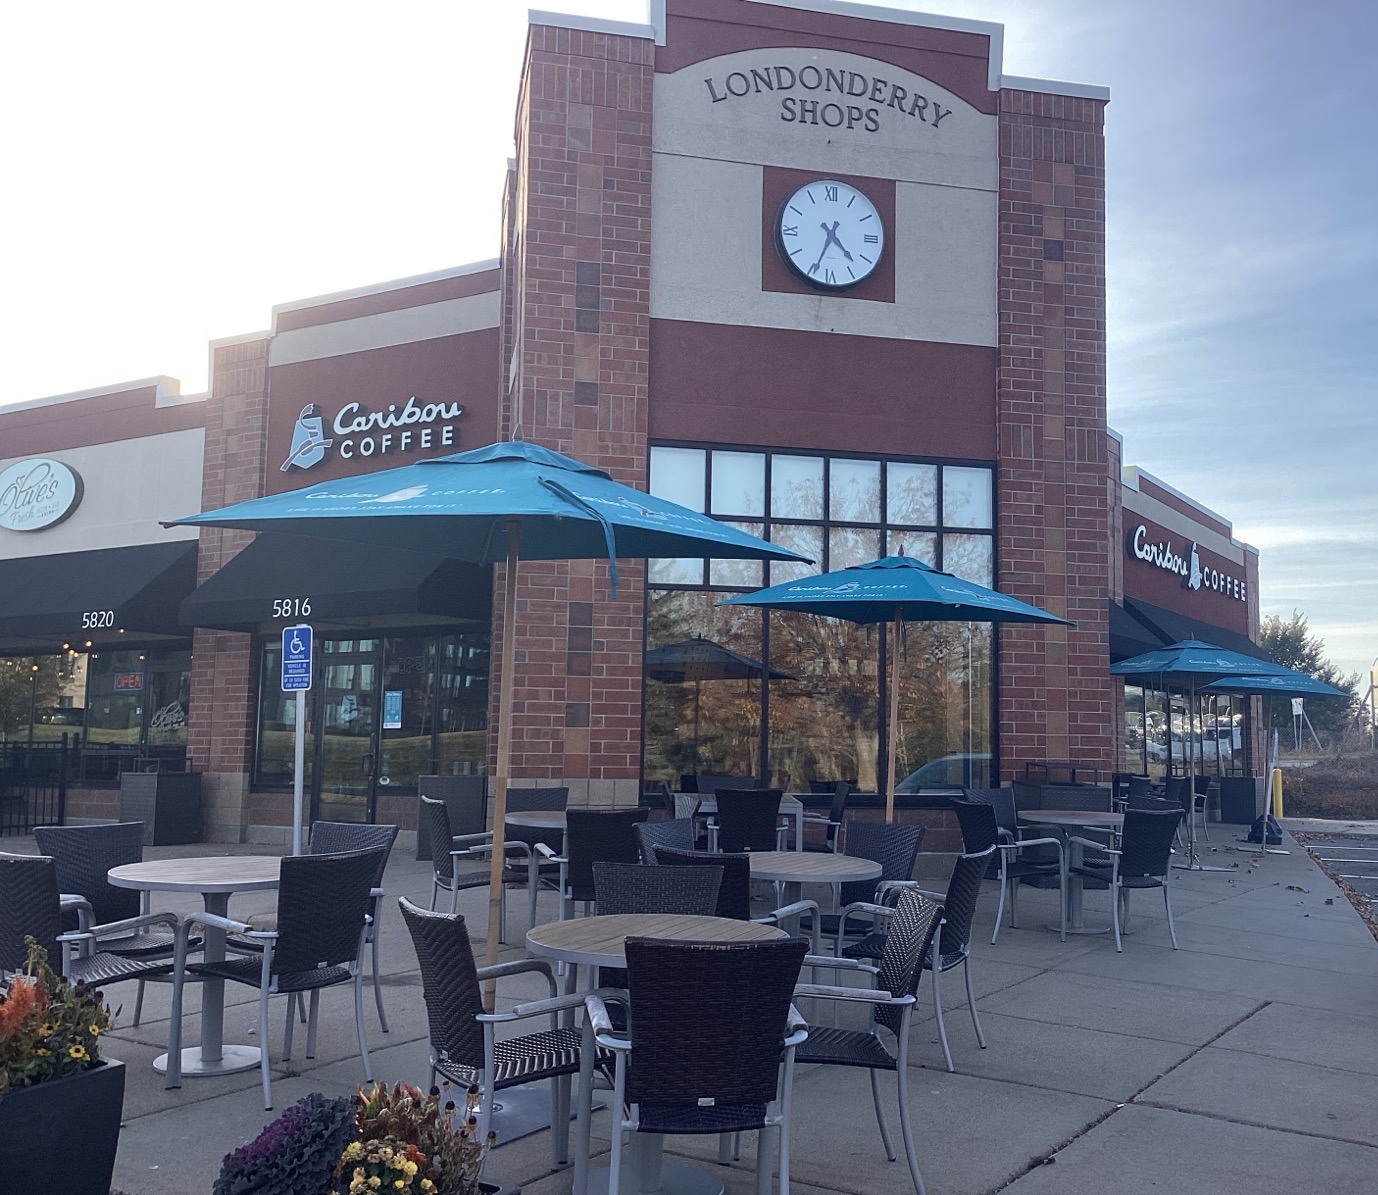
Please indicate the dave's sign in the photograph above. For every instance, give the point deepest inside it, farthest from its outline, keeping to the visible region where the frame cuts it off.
(38, 493)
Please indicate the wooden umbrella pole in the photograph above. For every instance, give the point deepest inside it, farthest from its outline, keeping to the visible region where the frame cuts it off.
(893, 742)
(505, 696)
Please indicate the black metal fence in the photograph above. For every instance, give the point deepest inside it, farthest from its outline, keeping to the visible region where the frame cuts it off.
(33, 785)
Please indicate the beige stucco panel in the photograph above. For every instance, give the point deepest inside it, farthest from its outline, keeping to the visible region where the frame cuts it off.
(706, 260)
(960, 152)
(129, 486)
(1139, 506)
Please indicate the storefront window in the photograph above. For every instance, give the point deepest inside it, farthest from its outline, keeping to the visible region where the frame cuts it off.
(137, 705)
(824, 714)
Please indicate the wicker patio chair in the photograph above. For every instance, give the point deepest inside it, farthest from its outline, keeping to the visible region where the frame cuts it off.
(980, 830)
(464, 1047)
(711, 1045)
(633, 888)
(748, 819)
(678, 833)
(31, 906)
(841, 792)
(84, 856)
(912, 925)
(465, 864)
(322, 926)
(1143, 860)
(516, 869)
(895, 848)
(592, 836)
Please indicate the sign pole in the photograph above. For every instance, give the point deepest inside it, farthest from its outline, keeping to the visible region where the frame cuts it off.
(296, 678)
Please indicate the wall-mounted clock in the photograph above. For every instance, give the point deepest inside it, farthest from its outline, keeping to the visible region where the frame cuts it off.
(830, 234)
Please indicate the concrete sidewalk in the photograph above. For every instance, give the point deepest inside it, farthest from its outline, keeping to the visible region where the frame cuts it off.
(1245, 1061)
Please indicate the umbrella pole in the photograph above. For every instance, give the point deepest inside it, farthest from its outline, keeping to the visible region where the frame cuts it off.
(505, 694)
(893, 739)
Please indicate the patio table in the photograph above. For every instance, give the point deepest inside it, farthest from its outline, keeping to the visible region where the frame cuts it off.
(601, 942)
(215, 878)
(1075, 819)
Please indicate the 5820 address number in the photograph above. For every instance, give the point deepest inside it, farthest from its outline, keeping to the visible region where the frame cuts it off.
(94, 619)
(292, 608)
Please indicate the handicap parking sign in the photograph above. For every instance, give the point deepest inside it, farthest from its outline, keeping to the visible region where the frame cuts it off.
(296, 659)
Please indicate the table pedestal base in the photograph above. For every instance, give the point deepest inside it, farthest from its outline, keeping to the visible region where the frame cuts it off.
(1079, 929)
(233, 1059)
(521, 1111)
(674, 1180)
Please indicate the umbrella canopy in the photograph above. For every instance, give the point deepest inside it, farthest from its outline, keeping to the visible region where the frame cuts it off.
(700, 659)
(894, 589)
(507, 501)
(1290, 684)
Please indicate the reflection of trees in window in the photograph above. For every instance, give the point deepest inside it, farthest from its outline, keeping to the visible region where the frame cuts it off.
(944, 702)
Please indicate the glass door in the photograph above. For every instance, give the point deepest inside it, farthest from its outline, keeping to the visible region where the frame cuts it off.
(404, 752)
(347, 742)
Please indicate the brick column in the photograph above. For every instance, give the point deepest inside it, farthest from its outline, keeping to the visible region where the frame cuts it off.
(1056, 695)
(223, 687)
(579, 245)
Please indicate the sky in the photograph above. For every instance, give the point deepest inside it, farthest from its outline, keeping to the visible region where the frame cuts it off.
(173, 170)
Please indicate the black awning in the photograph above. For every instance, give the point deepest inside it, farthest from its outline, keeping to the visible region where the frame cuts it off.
(1175, 628)
(1128, 636)
(104, 596)
(352, 585)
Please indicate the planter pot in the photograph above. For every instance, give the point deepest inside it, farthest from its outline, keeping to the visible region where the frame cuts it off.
(61, 1136)
(486, 1187)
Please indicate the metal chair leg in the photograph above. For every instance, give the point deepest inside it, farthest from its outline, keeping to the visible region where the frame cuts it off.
(139, 1004)
(312, 1022)
(971, 1002)
(1000, 905)
(1115, 911)
(1167, 904)
(358, 1019)
(288, 1027)
(880, 1115)
(938, 1009)
(906, 1126)
(377, 985)
(264, 1070)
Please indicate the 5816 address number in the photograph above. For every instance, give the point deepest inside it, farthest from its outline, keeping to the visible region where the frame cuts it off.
(292, 608)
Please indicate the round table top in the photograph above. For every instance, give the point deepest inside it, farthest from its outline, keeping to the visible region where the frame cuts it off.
(812, 867)
(214, 873)
(536, 819)
(1094, 818)
(601, 941)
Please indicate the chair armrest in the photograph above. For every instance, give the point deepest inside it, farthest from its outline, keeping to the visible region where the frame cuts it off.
(532, 1008)
(820, 819)
(791, 910)
(842, 964)
(521, 966)
(826, 991)
(939, 897)
(111, 928)
(1095, 846)
(227, 924)
(794, 1022)
(1023, 842)
(597, 1012)
(549, 852)
(885, 887)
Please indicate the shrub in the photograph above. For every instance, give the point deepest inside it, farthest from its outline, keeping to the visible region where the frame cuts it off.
(294, 1155)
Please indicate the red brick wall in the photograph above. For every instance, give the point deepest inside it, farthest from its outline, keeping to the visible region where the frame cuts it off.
(580, 245)
(220, 733)
(1056, 696)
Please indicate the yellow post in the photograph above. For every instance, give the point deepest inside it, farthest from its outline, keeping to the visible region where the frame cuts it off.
(1277, 792)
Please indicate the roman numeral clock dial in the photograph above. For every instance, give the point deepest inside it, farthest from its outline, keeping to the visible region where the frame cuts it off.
(830, 234)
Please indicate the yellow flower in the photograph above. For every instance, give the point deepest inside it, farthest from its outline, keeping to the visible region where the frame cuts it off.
(427, 1185)
(46, 1029)
(93, 1030)
(77, 1050)
(409, 1167)
(375, 1182)
(399, 1183)
(42, 1053)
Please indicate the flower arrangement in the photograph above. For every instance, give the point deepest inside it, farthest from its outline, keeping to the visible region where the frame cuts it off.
(399, 1141)
(49, 1027)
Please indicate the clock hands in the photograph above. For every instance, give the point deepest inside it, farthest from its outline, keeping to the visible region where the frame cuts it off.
(831, 240)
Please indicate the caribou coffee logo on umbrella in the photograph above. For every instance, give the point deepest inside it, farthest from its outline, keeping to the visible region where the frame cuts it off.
(38, 493)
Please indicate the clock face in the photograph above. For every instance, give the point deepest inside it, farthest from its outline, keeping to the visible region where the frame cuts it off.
(830, 234)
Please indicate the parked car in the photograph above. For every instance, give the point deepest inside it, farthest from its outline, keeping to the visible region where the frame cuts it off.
(948, 771)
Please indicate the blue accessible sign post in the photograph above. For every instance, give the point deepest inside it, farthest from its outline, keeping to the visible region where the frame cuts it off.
(296, 678)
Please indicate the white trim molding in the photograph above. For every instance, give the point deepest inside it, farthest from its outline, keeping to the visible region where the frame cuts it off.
(167, 392)
(1081, 91)
(381, 288)
(565, 20)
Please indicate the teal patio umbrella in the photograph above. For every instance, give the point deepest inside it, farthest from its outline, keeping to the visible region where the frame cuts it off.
(1189, 664)
(894, 589)
(505, 502)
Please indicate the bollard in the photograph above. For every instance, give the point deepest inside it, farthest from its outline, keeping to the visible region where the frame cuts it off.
(1277, 792)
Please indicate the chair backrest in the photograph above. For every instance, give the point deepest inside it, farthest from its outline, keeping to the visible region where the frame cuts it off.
(977, 820)
(85, 854)
(708, 783)
(677, 833)
(710, 1019)
(598, 836)
(437, 818)
(1202, 785)
(841, 793)
(322, 903)
(449, 983)
(1139, 786)
(1152, 804)
(959, 907)
(686, 805)
(1006, 811)
(1178, 791)
(529, 800)
(28, 906)
(634, 888)
(1146, 841)
(912, 926)
(657, 795)
(895, 848)
(333, 838)
(734, 893)
(748, 818)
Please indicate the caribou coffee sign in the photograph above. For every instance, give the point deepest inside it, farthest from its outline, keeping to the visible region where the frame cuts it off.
(1186, 564)
(356, 430)
(37, 494)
